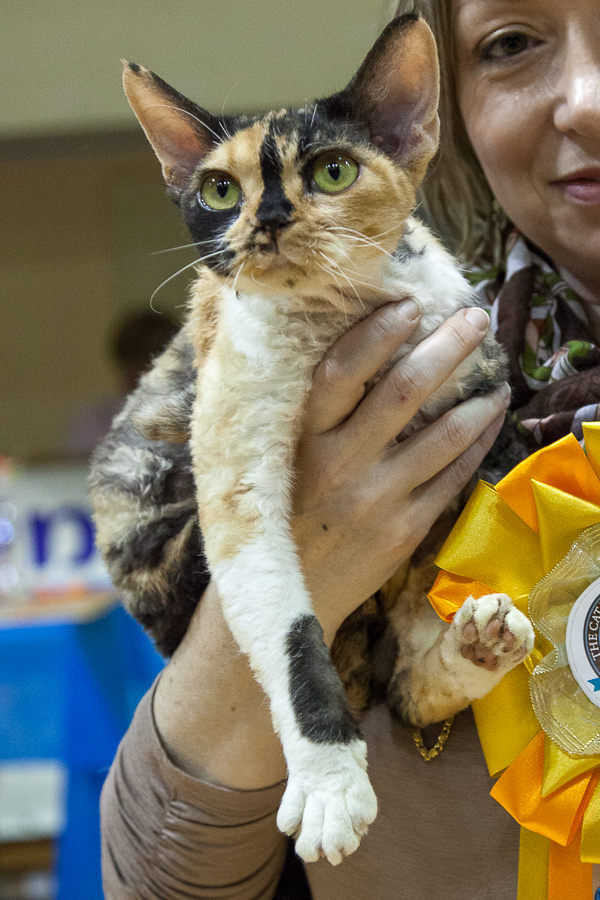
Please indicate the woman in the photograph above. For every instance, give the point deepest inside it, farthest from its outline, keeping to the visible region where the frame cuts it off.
(189, 807)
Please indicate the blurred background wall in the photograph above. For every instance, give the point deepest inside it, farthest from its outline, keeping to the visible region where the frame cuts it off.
(82, 207)
(83, 217)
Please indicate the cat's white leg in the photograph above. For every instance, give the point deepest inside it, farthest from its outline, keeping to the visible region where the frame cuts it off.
(329, 802)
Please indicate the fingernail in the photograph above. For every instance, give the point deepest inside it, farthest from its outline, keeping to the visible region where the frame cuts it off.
(408, 309)
(504, 393)
(476, 317)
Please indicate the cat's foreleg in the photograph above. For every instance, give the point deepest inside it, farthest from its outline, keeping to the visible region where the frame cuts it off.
(442, 668)
(329, 802)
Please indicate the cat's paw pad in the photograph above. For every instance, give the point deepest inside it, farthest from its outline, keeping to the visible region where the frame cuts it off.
(492, 633)
(328, 813)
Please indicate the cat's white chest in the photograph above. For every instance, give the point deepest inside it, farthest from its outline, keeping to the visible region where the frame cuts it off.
(273, 341)
(251, 323)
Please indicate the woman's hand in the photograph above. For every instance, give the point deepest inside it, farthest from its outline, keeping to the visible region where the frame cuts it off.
(362, 502)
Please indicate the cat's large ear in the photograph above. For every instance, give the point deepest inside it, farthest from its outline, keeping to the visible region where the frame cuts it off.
(180, 132)
(395, 94)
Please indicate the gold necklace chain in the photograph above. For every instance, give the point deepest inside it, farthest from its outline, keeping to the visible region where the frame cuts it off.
(439, 744)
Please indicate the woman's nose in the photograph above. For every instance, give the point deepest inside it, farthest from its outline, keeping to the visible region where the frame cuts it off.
(578, 106)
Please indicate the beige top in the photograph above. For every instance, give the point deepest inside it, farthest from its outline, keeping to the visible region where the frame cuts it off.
(438, 834)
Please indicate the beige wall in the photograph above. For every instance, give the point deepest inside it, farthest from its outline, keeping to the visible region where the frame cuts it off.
(59, 60)
(77, 231)
(81, 215)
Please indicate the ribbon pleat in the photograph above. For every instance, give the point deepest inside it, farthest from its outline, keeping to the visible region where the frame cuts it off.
(568, 879)
(562, 518)
(534, 853)
(518, 790)
(562, 465)
(590, 835)
(493, 546)
(505, 711)
(591, 434)
(450, 592)
(560, 769)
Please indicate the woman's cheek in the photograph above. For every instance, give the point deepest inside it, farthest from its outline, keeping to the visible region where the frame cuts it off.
(504, 143)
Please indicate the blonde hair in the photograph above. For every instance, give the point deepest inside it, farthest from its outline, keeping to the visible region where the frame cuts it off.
(455, 198)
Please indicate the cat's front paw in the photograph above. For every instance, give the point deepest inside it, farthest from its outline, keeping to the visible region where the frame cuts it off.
(492, 633)
(328, 804)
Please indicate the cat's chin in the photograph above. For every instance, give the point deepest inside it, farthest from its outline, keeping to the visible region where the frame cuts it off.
(306, 294)
(309, 289)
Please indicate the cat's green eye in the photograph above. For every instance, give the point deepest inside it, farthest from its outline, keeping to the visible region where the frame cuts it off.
(220, 191)
(334, 172)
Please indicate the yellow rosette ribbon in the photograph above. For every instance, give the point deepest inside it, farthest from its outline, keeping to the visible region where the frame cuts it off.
(536, 537)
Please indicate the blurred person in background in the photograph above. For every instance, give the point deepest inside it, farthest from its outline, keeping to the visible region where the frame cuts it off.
(136, 340)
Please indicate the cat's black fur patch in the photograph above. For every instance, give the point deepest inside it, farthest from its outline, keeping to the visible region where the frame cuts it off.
(481, 381)
(165, 609)
(163, 476)
(318, 698)
(207, 227)
(406, 250)
(145, 550)
(274, 208)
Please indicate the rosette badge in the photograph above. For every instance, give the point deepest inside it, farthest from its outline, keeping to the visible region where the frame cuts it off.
(565, 686)
(536, 537)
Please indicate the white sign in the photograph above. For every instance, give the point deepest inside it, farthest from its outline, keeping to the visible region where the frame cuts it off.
(583, 641)
(47, 534)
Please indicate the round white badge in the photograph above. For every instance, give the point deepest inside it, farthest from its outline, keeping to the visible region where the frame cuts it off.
(583, 641)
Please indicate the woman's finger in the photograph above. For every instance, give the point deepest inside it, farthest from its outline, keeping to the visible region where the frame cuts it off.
(423, 455)
(396, 398)
(339, 379)
(432, 497)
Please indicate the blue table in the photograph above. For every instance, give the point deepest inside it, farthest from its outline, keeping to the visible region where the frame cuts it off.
(68, 690)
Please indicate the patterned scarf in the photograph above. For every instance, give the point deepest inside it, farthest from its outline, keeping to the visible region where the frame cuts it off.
(541, 323)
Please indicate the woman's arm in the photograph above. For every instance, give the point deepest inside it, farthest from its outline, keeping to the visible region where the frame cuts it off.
(362, 505)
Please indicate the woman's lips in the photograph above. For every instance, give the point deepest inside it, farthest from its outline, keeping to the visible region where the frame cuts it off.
(582, 187)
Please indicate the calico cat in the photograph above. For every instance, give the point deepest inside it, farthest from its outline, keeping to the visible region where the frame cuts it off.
(303, 221)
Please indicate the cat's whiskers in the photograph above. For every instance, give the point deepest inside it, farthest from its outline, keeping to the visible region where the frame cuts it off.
(346, 231)
(354, 281)
(362, 241)
(343, 274)
(221, 120)
(373, 236)
(225, 129)
(351, 233)
(188, 113)
(185, 246)
(237, 275)
(369, 283)
(305, 110)
(340, 291)
(194, 262)
(313, 144)
(332, 274)
(262, 283)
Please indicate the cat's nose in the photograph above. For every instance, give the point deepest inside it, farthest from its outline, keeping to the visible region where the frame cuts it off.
(273, 216)
(275, 222)
(274, 228)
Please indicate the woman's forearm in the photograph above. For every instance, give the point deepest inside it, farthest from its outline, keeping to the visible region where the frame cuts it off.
(211, 713)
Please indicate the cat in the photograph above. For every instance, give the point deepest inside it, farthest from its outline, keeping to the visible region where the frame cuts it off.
(306, 217)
